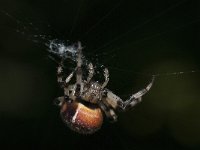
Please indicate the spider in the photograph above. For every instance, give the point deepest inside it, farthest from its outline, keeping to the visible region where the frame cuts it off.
(84, 102)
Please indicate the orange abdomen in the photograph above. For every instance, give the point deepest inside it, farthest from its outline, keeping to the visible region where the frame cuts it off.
(85, 119)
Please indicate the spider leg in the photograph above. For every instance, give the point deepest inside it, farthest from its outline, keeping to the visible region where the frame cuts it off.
(79, 83)
(58, 101)
(109, 112)
(137, 97)
(110, 99)
(91, 72)
(68, 96)
(106, 75)
(62, 83)
(60, 75)
(69, 77)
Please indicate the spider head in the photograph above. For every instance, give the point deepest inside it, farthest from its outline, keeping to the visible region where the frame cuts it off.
(92, 92)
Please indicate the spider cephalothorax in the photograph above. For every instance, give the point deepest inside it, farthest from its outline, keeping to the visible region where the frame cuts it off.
(84, 102)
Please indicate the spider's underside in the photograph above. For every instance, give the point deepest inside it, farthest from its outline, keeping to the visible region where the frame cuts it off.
(83, 102)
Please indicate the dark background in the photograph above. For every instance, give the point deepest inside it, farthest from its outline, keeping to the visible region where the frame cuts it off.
(135, 39)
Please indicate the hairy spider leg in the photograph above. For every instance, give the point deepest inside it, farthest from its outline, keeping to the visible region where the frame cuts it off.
(60, 75)
(67, 96)
(79, 82)
(114, 101)
(91, 72)
(137, 97)
(106, 75)
(59, 101)
(109, 112)
(63, 84)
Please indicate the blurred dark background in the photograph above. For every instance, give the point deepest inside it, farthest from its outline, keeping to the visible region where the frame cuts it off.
(135, 39)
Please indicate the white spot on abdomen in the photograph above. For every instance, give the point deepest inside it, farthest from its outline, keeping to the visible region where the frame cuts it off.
(75, 115)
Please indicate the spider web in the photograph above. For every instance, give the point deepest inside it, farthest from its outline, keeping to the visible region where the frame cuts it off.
(112, 51)
(107, 54)
(67, 50)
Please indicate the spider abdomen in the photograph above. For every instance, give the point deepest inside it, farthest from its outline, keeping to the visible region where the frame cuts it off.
(81, 118)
